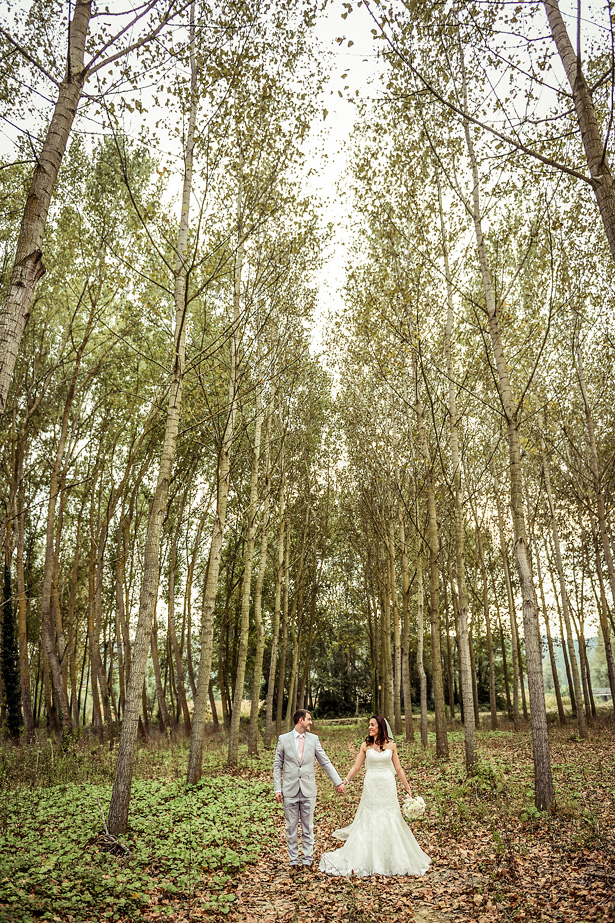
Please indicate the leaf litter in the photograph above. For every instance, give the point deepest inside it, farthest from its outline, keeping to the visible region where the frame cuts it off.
(495, 859)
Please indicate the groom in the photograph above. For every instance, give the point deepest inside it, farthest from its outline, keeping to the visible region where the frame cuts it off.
(294, 757)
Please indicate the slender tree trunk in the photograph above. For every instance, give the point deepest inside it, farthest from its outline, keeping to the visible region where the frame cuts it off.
(296, 618)
(396, 631)
(284, 645)
(22, 608)
(594, 145)
(419, 650)
(188, 602)
(144, 710)
(386, 669)
(291, 705)
(275, 631)
(101, 673)
(120, 796)
(405, 637)
(514, 647)
(483, 571)
(504, 659)
(558, 695)
(448, 653)
(258, 594)
(458, 641)
(195, 760)
(47, 628)
(473, 670)
(603, 615)
(174, 645)
(165, 722)
(28, 264)
(594, 463)
(434, 591)
(83, 673)
(212, 705)
(521, 678)
(305, 674)
(223, 636)
(460, 567)
(573, 701)
(53, 725)
(563, 592)
(372, 615)
(244, 624)
(121, 627)
(543, 780)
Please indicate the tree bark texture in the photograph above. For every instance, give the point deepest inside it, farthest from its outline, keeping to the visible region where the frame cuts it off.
(405, 636)
(28, 264)
(460, 567)
(572, 657)
(248, 561)
(275, 630)
(594, 145)
(127, 746)
(434, 592)
(544, 794)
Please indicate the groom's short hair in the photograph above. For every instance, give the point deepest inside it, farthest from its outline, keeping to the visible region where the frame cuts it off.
(299, 714)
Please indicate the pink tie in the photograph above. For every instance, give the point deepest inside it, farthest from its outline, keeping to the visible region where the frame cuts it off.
(301, 736)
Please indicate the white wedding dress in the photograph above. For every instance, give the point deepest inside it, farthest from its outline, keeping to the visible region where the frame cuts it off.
(378, 841)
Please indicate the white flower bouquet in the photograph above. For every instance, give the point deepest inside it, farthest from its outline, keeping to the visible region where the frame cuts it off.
(413, 808)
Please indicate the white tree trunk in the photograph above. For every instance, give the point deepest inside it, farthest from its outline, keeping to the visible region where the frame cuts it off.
(469, 729)
(258, 595)
(405, 637)
(28, 264)
(572, 657)
(120, 796)
(594, 145)
(195, 759)
(420, 593)
(248, 561)
(533, 647)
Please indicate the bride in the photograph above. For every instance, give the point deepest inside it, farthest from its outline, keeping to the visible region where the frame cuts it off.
(378, 841)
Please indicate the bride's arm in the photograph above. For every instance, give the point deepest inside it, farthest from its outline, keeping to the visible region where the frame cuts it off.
(399, 770)
(357, 763)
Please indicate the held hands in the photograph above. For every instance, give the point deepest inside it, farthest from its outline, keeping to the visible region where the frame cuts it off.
(340, 789)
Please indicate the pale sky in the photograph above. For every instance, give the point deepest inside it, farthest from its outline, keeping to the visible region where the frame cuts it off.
(361, 65)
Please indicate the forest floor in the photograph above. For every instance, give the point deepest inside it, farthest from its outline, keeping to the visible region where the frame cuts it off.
(218, 851)
(494, 857)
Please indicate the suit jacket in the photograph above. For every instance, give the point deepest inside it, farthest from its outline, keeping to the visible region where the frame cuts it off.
(299, 778)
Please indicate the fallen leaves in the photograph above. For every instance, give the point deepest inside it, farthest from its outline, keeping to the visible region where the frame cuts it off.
(489, 865)
(494, 859)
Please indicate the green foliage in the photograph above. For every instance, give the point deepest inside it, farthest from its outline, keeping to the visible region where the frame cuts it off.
(186, 843)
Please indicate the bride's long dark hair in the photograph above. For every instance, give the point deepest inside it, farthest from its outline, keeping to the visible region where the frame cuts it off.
(381, 736)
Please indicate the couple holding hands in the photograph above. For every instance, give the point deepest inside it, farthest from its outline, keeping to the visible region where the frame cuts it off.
(378, 841)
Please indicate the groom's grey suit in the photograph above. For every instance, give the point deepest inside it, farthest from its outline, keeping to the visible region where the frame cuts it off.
(297, 782)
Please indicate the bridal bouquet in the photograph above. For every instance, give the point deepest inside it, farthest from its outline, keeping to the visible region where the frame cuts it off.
(413, 808)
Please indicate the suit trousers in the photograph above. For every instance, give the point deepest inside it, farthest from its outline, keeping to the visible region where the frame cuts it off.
(295, 808)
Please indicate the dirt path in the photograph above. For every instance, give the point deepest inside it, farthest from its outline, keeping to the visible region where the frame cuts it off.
(268, 892)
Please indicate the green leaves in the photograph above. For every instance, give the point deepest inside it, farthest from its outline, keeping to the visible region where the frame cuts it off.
(184, 843)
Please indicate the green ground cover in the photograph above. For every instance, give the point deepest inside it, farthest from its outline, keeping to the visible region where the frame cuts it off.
(217, 850)
(180, 839)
